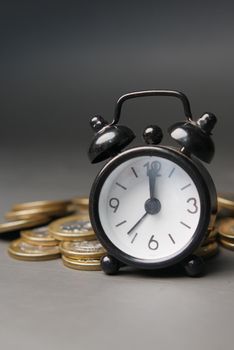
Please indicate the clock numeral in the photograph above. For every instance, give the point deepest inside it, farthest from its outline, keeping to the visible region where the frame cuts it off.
(155, 166)
(114, 204)
(153, 244)
(194, 208)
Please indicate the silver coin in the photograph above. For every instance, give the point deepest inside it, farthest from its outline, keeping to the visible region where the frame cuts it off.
(28, 248)
(87, 246)
(76, 226)
(41, 232)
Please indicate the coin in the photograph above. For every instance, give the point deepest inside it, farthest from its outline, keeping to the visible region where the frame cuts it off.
(41, 204)
(227, 244)
(23, 251)
(81, 201)
(35, 212)
(82, 249)
(82, 264)
(225, 205)
(226, 228)
(82, 204)
(39, 236)
(209, 250)
(22, 224)
(226, 200)
(72, 228)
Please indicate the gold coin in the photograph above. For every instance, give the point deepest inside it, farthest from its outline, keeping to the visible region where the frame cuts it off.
(82, 249)
(41, 204)
(227, 244)
(35, 212)
(82, 204)
(226, 205)
(81, 201)
(82, 264)
(22, 224)
(72, 228)
(209, 250)
(10, 216)
(23, 251)
(39, 236)
(226, 200)
(226, 228)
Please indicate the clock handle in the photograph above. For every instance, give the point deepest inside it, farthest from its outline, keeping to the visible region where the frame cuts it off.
(171, 93)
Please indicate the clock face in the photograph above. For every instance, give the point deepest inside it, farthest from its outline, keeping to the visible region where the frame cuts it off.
(149, 207)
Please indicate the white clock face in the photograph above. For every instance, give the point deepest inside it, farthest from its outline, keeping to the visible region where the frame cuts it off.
(149, 208)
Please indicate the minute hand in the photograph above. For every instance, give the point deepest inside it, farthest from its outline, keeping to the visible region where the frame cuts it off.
(138, 222)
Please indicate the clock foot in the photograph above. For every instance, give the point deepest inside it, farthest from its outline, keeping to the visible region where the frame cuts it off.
(110, 265)
(194, 266)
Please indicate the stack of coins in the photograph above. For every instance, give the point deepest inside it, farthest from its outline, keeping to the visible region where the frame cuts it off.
(82, 255)
(22, 250)
(39, 209)
(223, 232)
(225, 220)
(78, 244)
(71, 235)
(35, 243)
(32, 214)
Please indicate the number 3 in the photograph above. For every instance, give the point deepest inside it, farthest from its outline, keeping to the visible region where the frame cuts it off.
(194, 205)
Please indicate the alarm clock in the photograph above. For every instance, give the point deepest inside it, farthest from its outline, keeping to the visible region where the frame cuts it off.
(151, 206)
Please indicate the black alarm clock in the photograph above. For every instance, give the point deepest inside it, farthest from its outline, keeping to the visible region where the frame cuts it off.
(151, 206)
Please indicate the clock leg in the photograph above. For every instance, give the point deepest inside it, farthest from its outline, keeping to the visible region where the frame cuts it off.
(194, 266)
(110, 265)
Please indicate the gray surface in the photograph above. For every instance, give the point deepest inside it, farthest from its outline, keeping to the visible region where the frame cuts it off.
(60, 63)
(47, 306)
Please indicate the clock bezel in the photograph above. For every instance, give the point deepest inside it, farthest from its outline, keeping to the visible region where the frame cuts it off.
(185, 163)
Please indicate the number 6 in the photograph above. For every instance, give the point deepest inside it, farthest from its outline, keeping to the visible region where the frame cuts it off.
(153, 244)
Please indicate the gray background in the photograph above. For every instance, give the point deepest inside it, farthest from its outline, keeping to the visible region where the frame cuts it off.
(60, 63)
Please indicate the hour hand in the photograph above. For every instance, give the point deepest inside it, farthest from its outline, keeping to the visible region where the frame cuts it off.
(152, 179)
